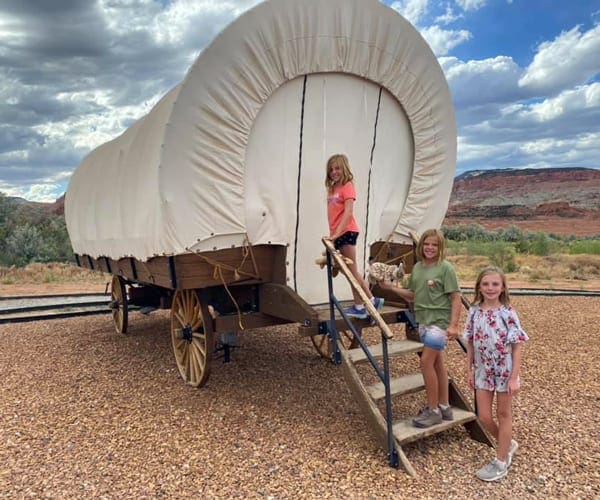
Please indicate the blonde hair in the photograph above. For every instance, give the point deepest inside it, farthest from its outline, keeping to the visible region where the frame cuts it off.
(341, 161)
(441, 244)
(504, 296)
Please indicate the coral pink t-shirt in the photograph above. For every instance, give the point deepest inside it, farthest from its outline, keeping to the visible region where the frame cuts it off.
(335, 207)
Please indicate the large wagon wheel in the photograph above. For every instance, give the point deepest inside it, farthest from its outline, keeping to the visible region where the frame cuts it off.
(193, 340)
(323, 346)
(118, 303)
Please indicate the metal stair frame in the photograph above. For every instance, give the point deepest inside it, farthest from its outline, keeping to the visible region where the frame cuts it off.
(384, 375)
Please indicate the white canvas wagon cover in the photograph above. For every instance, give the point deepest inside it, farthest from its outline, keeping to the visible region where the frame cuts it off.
(236, 152)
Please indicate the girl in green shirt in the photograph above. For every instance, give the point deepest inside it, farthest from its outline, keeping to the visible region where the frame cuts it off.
(433, 287)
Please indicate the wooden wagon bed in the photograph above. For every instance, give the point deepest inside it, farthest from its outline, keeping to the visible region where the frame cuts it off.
(251, 264)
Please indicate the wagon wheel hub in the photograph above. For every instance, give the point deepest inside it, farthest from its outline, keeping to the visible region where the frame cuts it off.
(187, 333)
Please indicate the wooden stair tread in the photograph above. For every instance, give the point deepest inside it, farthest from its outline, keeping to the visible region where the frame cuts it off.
(405, 432)
(395, 348)
(406, 384)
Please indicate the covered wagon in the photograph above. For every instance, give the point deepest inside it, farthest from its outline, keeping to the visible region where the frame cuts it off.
(214, 204)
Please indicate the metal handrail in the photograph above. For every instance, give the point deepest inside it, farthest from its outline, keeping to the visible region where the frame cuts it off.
(386, 334)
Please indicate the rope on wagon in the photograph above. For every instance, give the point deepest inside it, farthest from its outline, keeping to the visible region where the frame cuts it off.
(218, 273)
(237, 273)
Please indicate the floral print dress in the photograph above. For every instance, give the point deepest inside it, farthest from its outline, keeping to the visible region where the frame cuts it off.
(493, 331)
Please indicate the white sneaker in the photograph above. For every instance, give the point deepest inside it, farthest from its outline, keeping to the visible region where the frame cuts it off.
(514, 446)
(492, 471)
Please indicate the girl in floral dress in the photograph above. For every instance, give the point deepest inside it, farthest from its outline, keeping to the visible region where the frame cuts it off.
(494, 336)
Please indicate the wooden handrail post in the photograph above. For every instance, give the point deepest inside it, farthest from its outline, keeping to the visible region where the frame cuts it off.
(356, 286)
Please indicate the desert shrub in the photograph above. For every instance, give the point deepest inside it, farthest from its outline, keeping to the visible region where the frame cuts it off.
(499, 253)
(502, 254)
(512, 234)
(540, 245)
(25, 245)
(465, 232)
(537, 276)
(583, 267)
(30, 234)
(591, 247)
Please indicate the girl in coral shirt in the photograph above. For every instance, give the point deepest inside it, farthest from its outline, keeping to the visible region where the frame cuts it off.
(343, 229)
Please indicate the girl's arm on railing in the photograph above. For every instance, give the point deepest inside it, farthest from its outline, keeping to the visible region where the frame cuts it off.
(403, 293)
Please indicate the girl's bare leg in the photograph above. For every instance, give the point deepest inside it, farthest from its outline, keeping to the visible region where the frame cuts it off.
(428, 360)
(350, 252)
(484, 411)
(504, 414)
(442, 378)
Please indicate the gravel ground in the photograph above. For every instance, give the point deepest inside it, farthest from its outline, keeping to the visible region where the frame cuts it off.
(86, 412)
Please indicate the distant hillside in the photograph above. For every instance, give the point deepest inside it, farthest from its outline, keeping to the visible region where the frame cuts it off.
(57, 207)
(560, 200)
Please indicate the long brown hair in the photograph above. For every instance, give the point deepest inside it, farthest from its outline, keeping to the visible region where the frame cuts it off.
(341, 161)
(441, 244)
(504, 297)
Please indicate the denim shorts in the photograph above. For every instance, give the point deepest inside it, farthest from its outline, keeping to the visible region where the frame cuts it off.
(433, 337)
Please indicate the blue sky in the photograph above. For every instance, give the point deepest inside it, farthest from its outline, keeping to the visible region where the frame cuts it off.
(524, 76)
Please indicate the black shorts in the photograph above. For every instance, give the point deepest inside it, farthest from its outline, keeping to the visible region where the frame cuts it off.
(348, 238)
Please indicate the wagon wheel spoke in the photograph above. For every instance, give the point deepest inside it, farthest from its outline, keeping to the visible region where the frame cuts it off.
(323, 347)
(192, 343)
(198, 323)
(119, 304)
(199, 343)
(179, 315)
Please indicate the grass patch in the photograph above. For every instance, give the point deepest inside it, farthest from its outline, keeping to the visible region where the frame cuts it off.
(52, 272)
(591, 247)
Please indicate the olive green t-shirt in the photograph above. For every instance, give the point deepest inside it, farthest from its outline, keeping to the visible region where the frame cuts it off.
(432, 286)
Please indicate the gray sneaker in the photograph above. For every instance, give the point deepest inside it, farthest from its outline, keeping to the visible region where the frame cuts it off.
(514, 446)
(492, 471)
(427, 418)
(447, 414)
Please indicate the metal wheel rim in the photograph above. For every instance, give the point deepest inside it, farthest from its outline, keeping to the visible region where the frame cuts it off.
(192, 345)
(118, 296)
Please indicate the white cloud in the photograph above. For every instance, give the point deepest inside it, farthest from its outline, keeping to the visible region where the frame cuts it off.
(482, 81)
(469, 151)
(448, 17)
(569, 102)
(182, 18)
(470, 4)
(412, 10)
(541, 146)
(570, 59)
(43, 193)
(557, 132)
(442, 41)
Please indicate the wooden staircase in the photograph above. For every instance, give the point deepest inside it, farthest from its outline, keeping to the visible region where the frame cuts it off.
(368, 395)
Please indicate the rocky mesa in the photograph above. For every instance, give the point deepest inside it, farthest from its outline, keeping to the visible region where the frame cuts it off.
(563, 201)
